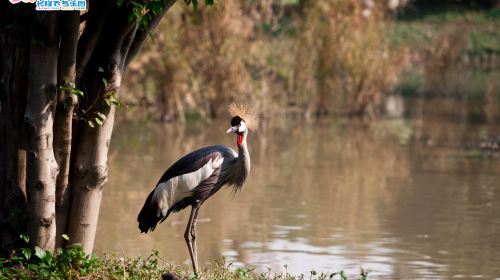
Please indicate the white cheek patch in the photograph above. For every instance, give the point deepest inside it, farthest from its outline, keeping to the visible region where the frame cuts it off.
(243, 127)
(177, 188)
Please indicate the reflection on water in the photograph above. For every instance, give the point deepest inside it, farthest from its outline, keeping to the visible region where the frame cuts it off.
(405, 198)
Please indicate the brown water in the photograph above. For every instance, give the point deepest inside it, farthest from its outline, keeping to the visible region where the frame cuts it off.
(406, 198)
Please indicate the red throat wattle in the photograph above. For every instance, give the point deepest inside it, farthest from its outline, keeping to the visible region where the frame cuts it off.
(239, 139)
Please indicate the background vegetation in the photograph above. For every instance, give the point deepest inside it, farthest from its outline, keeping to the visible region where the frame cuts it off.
(313, 57)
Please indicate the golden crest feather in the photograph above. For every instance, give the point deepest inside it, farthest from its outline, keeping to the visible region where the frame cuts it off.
(247, 113)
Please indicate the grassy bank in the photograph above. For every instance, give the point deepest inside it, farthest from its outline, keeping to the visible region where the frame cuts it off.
(72, 263)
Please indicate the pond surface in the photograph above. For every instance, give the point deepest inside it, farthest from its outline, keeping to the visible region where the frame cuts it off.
(406, 198)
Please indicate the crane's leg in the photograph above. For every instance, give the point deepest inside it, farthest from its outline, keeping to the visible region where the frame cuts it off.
(193, 233)
(188, 238)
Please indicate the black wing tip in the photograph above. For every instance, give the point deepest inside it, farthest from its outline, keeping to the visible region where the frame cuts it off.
(147, 217)
(147, 229)
(148, 224)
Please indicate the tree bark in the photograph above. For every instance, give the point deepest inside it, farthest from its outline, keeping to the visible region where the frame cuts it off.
(66, 102)
(39, 118)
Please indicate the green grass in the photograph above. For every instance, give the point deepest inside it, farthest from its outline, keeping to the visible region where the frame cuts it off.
(448, 13)
(464, 41)
(485, 40)
(410, 83)
(73, 263)
(418, 29)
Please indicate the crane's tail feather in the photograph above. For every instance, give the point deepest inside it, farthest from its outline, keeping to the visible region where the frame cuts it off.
(148, 217)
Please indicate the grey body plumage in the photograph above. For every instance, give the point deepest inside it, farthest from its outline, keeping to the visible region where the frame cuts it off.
(193, 179)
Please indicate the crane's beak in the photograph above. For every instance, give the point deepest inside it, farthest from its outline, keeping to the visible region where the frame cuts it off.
(232, 129)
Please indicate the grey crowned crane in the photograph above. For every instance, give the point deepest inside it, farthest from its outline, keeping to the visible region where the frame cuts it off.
(197, 176)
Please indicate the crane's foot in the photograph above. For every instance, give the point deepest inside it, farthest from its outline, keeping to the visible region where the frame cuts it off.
(192, 254)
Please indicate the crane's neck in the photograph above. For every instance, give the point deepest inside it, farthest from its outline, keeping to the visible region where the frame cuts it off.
(243, 161)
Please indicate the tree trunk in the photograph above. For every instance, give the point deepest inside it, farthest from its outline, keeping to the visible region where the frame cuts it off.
(14, 69)
(66, 101)
(89, 175)
(39, 118)
(90, 168)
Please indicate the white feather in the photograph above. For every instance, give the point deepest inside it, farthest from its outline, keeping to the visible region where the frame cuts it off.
(242, 127)
(177, 188)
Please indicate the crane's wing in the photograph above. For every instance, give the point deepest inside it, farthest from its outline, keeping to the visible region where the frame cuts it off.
(191, 162)
(174, 189)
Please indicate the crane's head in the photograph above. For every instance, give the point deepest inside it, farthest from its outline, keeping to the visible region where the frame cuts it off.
(238, 125)
(244, 117)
